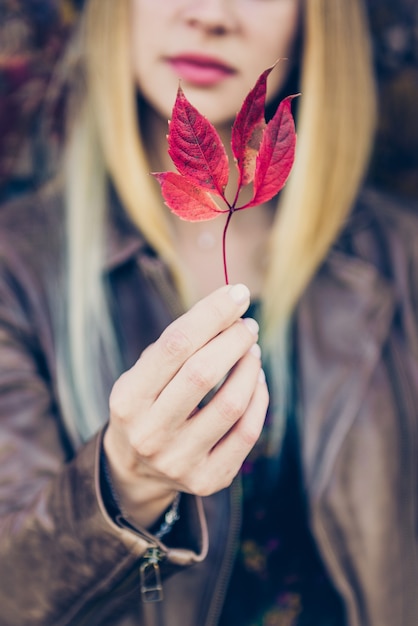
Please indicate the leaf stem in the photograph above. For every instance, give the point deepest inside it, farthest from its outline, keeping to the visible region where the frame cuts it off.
(237, 192)
(228, 219)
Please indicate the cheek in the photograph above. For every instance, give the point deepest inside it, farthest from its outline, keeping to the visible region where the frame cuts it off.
(144, 22)
(276, 31)
(135, 38)
(278, 43)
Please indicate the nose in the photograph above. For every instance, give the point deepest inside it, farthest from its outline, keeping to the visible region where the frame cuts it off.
(216, 17)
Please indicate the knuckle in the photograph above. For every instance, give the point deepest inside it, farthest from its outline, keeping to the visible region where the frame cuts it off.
(145, 446)
(227, 478)
(206, 483)
(146, 351)
(218, 313)
(174, 475)
(175, 343)
(201, 486)
(200, 375)
(229, 407)
(119, 403)
(213, 309)
(243, 334)
(266, 396)
(204, 491)
(174, 472)
(249, 435)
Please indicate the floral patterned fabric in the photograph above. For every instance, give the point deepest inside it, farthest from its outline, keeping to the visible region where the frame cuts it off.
(278, 578)
(395, 40)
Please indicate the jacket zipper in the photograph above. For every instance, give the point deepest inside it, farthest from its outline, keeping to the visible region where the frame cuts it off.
(150, 576)
(151, 587)
(225, 568)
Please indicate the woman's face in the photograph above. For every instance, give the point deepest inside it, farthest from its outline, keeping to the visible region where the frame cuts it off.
(217, 48)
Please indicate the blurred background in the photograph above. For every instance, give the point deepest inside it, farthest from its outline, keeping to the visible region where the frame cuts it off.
(33, 34)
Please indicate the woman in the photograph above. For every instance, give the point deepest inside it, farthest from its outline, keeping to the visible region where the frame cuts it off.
(122, 476)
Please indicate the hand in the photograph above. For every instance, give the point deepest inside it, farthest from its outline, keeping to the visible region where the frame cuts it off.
(158, 440)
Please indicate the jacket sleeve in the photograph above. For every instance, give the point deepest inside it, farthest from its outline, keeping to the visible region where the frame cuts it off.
(60, 552)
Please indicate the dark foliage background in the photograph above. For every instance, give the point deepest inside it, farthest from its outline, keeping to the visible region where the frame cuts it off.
(395, 39)
(33, 34)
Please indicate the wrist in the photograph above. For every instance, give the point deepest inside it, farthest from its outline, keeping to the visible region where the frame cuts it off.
(142, 500)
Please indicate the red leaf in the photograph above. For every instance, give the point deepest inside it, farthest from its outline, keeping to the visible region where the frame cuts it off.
(248, 128)
(185, 199)
(196, 148)
(276, 155)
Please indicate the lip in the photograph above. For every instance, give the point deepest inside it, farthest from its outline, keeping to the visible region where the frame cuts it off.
(200, 70)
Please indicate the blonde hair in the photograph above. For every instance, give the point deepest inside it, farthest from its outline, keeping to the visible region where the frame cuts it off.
(335, 129)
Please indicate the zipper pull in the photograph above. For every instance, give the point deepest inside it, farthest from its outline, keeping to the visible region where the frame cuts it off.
(150, 577)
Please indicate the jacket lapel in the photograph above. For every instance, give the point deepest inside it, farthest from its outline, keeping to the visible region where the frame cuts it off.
(343, 321)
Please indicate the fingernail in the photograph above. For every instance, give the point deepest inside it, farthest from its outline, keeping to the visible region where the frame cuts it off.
(251, 324)
(239, 293)
(255, 350)
(261, 376)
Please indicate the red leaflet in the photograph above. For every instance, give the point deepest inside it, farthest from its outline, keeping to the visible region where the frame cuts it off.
(196, 148)
(247, 129)
(276, 155)
(190, 201)
(264, 154)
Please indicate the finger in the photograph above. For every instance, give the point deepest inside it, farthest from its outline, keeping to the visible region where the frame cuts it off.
(209, 473)
(209, 425)
(205, 369)
(227, 457)
(181, 451)
(206, 319)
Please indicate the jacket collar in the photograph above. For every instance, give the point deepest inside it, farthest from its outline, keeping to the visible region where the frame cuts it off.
(123, 240)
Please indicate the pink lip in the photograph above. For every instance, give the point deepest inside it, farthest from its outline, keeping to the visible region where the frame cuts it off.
(200, 70)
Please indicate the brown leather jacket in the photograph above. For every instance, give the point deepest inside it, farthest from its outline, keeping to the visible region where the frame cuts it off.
(62, 558)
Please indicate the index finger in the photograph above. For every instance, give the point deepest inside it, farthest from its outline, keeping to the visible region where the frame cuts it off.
(207, 318)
